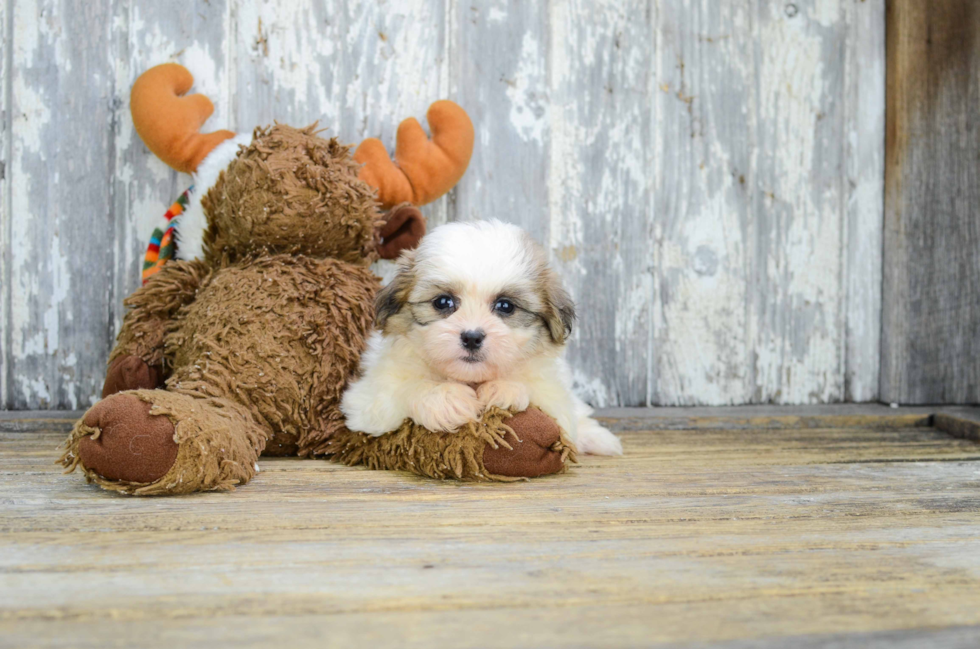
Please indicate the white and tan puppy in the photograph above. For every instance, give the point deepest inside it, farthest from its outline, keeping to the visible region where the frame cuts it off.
(475, 317)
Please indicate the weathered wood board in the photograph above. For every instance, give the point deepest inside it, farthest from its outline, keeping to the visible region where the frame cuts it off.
(707, 176)
(57, 219)
(780, 535)
(931, 309)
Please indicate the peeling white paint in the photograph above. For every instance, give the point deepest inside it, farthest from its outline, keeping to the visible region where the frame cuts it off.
(31, 114)
(589, 387)
(30, 117)
(826, 12)
(497, 14)
(35, 391)
(702, 319)
(865, 123)
(59, 273)
(67, 369)
(563, 165)
(528, 105)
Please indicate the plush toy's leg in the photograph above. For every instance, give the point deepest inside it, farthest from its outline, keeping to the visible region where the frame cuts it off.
(502, 446)
(155, 442)
(536, 447)
(137, 361)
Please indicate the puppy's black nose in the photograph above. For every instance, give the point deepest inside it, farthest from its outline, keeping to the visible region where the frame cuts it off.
(472, 339)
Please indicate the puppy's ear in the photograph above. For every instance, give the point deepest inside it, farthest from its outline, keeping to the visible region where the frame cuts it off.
(393, 297)
(559, 309)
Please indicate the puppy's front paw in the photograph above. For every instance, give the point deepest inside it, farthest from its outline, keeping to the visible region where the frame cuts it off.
(504, 394)
(447, 407)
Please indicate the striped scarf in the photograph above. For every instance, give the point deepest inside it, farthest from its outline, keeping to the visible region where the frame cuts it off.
(163, 242)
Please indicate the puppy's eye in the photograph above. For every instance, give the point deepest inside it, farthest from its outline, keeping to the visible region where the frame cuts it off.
(444, 303)
(503, 306)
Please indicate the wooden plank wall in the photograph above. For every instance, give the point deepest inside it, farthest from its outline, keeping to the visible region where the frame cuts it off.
(931, 314)
(707, 175)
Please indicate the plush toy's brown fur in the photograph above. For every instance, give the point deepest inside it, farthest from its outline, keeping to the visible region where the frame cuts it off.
(257, 340)
(292, 192)
(489, 449)
(278, 310)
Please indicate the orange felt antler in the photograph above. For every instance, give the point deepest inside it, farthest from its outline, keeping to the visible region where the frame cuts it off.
(423, 169)
(169, 123)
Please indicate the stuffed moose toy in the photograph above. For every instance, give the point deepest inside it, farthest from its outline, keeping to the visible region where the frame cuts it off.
(244, 345)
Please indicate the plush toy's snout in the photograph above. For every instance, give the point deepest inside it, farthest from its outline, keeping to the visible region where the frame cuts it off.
(403, 229)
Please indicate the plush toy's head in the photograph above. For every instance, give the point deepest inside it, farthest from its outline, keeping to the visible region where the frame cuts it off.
(287, 190)
(290, 191)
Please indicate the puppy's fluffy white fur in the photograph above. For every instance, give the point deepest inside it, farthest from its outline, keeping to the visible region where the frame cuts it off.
(489, 278)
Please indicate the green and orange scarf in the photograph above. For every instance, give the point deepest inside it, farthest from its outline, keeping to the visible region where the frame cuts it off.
(163, 242)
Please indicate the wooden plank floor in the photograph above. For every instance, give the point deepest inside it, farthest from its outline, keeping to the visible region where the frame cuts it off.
(848, 527)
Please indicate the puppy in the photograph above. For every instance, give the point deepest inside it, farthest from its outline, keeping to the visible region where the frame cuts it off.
(475, 317)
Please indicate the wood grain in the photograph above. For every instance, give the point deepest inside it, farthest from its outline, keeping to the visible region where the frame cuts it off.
(502, 74)
(600, 191)
(756, 301)
(931, 313)
(57, 278)
(6, 62)
(707, 176)
(704, 197)
(750, 537)
(796, 230)
(864, 127)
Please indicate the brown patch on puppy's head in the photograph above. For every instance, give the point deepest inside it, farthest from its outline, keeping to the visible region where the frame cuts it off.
(391, 316)
(292, 192)
(559, 308)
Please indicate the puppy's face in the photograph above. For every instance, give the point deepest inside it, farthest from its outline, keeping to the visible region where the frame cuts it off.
(476, 299)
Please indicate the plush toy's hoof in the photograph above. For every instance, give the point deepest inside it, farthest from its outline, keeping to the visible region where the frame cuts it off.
(130, 373)
(132, 445)
(536, 449)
